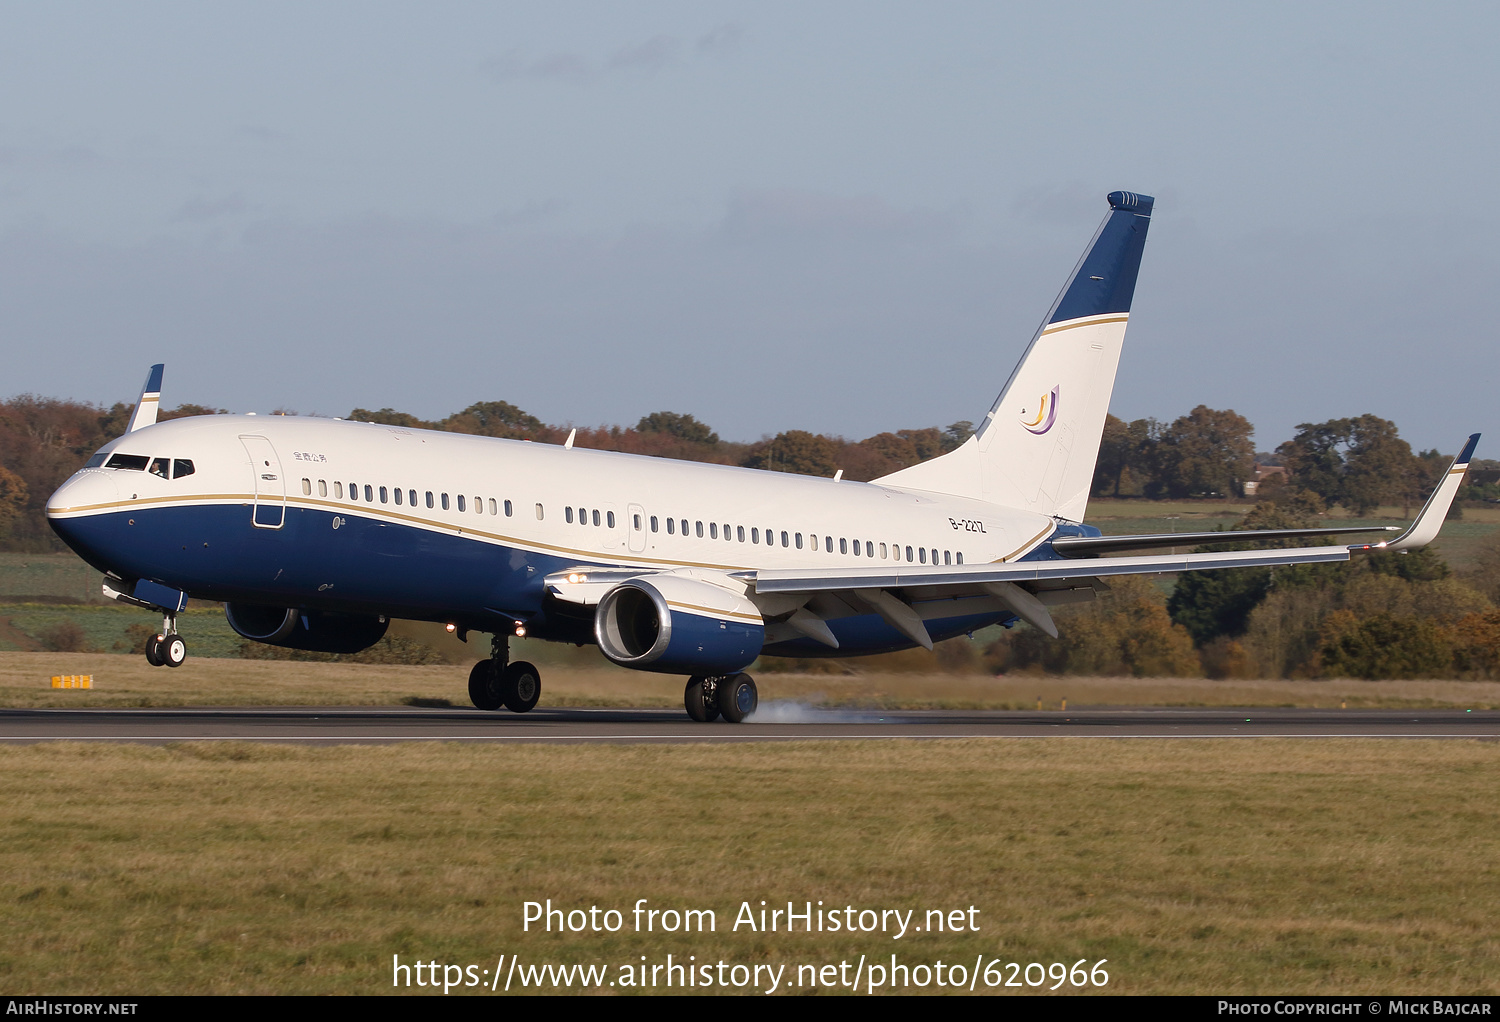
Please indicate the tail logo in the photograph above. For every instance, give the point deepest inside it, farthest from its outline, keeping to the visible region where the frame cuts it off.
(1046, 415)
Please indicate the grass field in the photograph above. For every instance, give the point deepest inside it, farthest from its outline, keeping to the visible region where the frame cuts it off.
(126, 680)
(1270, 866)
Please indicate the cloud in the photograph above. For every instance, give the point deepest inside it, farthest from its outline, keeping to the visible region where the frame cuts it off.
(796, 214)
(200, 210)
(657, 53)
(47, 157)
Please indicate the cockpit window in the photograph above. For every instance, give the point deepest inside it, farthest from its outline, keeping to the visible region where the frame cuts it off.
(132, 462)
(162, 467)
(182, 467)
(96, 460)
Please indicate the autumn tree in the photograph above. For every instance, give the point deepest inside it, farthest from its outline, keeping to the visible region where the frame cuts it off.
(389, 417)
(795, 451)
(493, 418)
(1127, 457)
(683, 427)
(1206, 451)
(1359, 463)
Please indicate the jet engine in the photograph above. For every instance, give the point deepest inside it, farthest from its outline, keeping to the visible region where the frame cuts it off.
(678, 625)
(318, 631)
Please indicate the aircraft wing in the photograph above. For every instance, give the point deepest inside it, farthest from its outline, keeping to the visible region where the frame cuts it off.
(1027, 588)
(805, 580)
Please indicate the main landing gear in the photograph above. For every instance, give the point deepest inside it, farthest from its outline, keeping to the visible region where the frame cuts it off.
(709, 696)
(166, 648)
(494, 683)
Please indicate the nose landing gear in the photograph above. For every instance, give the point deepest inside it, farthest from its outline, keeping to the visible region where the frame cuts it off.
(166, 648)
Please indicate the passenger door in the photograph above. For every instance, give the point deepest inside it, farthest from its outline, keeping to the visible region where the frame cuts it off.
(269, 509)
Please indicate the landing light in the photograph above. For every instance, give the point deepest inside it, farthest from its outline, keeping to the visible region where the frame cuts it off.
(575, 577)
(450, 626)
(520, 630)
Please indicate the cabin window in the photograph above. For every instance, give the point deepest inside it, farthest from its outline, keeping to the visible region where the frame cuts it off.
(869, 549)
(182, 467)
(843, 546)
(754, 535)
(132, 462)
(338, 489)
(540, 514)
(934, 556)
(684, 526)
(479, 505)
(609, 520)
(739, 532)
(568, 514)
(411, 497)
(369, 493)
(654, 523)
(799, 541)
(786, 540)
(882, 551)
(322, 487)
(596, 517)
(306, 487)
(494, 508)
(713, 530)
(814, 539)
(700, 530)
(958, 558)
(384, 494)
(671, 526)
(636, 522)
(443, 499)
(828, 543)
(161, 467)
(856, 547)
(461, 502)
(947, 557)
(922, 552)
(398, 495)
(507, 509)
(429, 498)
(908, 554)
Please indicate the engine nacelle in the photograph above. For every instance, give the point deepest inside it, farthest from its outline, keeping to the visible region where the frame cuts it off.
(318, 631)
(678, 625)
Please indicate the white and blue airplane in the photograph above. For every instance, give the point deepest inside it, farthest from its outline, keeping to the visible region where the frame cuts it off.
(315, 532)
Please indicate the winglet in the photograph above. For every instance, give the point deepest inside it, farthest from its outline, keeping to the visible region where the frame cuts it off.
(1425, 529)
(145, 409)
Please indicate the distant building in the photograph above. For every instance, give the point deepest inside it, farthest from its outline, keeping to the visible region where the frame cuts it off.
(1264, 473)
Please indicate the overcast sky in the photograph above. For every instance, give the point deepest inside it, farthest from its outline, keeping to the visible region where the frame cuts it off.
(841, 217)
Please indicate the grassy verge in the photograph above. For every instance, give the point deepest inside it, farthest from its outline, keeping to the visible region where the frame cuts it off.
(1194, 867)
(126, 680)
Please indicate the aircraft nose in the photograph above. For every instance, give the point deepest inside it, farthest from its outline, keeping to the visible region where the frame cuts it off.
(91, 489)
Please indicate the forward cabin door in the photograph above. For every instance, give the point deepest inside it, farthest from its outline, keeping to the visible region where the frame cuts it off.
(269, 509)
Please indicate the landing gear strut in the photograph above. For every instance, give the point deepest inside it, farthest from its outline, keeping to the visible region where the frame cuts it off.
(734, 697)
(494, 683)
(166, 648)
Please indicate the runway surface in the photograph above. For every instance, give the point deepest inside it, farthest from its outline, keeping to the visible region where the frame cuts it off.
(775, 722)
